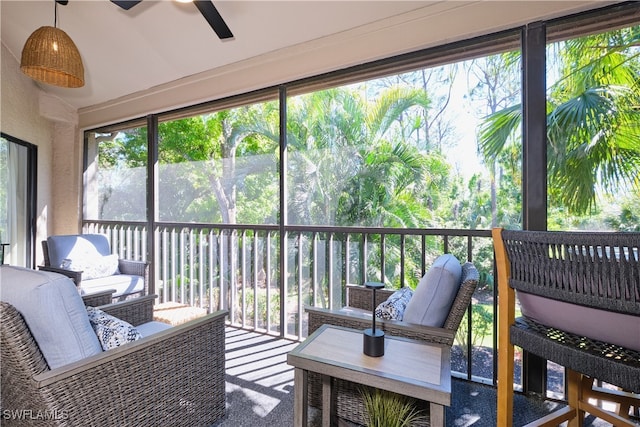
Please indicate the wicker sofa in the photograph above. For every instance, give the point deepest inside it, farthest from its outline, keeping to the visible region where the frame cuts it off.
(171, 377)
(348, 395)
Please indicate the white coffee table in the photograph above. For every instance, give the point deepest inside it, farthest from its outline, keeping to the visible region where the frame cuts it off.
(408, 367)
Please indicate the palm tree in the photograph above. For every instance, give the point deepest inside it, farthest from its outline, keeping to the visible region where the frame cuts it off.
(593, 120)
(351, 162)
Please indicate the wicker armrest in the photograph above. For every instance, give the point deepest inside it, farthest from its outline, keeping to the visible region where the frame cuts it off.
(178, 372)
(98, 298)
(136, 268)
(135, 311)
(76, 276)
(355, 320)
(360, 297)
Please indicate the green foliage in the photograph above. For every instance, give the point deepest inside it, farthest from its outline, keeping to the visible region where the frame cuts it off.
(592, 120)
(262, 305)
(127, 148)
(628, 218)
(482, 324)
(613, 212)
(388, 190)
(352, 161)
(374, 154)
(386, 409)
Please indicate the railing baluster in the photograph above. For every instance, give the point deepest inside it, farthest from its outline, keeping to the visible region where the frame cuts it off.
(253, 262)
(244, 278)
(202, 262)
(347, 260)
(382, 244)
(175, 264)
(121, 240)
(423, 258)
(136, 243)
(268, 281)
(143, 250)
(127, 239)
(213, 271)
(300, 280)
(330, 269)
(365, 258)
(164, 268)
(192, 265)
(314, 273)
(221, 270)
(232, 262)
(403, 280)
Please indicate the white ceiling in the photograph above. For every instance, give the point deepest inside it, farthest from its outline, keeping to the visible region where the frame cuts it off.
(158, 42)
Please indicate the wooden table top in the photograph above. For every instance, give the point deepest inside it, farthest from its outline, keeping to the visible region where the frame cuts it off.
(409, 367)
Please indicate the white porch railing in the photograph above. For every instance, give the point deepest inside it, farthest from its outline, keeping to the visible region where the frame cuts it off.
(265, 275)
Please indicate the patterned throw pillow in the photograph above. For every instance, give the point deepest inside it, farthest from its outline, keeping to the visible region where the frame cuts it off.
(111, 331)
(393, 307)
(95, 267)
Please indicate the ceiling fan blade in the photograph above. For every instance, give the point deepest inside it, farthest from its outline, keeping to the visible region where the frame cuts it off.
(126, 4)
(210, 13)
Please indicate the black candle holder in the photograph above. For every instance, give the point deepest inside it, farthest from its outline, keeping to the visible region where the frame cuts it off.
(373, 340)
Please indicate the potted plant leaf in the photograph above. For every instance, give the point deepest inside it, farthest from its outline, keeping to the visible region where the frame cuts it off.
(386, 409)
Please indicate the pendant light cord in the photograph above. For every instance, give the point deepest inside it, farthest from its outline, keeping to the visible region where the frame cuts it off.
(55, 14)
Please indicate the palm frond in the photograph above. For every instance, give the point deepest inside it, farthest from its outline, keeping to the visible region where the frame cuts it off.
(497, 128)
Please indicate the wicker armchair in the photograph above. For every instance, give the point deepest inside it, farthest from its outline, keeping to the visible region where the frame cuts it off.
(131, 281)
(174, 377)
(349, 401)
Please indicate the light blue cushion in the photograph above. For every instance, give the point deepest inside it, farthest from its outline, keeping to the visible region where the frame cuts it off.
(54, 312)
(151, 328)
(120, 283)
(432, 299)
(76, 247)
(95, 267)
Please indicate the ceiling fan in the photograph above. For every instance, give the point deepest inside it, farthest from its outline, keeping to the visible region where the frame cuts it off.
(206, 8)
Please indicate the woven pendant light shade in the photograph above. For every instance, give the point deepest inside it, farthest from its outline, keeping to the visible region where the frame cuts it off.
(50, 56)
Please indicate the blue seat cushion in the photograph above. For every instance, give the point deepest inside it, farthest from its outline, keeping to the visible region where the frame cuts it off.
(153, 327)
(89, 253)
(76, 247)
(121, 283)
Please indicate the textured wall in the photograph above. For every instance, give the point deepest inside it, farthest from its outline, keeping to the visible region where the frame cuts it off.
(21, 116)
